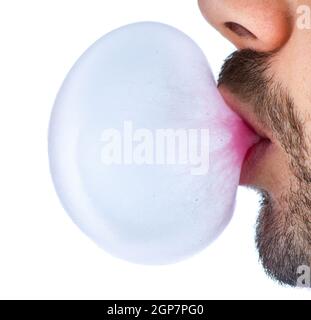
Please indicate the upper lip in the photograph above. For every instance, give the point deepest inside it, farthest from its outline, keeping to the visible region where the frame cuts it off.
(244, 113)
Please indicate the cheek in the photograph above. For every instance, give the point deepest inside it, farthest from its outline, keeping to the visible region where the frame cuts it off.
(292, 67)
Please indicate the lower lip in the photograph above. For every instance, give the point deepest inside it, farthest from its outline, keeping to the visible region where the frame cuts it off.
(256, 153)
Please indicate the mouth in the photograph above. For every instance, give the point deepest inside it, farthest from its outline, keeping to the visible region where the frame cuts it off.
(256, 157)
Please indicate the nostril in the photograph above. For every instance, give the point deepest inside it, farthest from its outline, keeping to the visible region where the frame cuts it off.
(239, 30)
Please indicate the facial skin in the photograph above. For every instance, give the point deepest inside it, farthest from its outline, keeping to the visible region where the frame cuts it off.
(268, 83)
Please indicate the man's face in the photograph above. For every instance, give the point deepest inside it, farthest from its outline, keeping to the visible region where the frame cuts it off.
(268, 82)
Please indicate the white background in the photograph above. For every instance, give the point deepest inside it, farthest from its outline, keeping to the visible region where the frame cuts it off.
(42, 253)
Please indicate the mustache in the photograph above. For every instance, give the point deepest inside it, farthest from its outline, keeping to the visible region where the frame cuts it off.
(245, 73)
(242, 63)
(248, 75)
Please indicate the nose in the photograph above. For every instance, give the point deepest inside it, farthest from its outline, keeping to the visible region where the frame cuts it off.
(261, 25)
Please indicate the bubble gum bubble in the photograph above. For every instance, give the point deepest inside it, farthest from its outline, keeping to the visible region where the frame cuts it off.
(152, 201)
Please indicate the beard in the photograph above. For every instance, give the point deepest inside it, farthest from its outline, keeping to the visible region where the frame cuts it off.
(283, 232)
